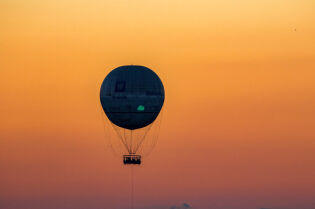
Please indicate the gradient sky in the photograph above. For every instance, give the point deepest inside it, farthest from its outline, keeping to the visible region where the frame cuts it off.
(238, 121)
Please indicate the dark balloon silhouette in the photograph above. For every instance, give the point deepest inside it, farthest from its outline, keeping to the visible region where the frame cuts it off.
(132, 96)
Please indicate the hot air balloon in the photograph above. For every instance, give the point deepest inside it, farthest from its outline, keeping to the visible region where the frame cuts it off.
(132, 97)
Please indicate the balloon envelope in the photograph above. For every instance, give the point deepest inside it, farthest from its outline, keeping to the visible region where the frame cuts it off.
(132, 96)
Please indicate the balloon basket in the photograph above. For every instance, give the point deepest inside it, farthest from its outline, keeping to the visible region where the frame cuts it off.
(132, 159)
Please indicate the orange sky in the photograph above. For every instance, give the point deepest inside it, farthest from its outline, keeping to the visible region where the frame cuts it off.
(238, 121)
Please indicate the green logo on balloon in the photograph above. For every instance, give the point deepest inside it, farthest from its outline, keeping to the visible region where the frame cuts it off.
(140, 108)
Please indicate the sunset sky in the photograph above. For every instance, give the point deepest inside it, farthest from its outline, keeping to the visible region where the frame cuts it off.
(238, 126)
